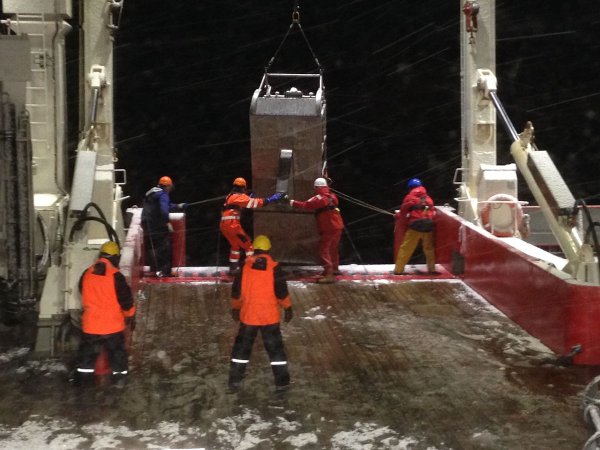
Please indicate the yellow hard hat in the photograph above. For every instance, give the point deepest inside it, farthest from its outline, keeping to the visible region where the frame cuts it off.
(110, 248)
(262, 242)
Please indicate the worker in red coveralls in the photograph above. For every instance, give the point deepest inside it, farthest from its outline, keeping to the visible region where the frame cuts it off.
(416, 215)
(235, 203)
(330, 226)
(107, 306)
(258, 293)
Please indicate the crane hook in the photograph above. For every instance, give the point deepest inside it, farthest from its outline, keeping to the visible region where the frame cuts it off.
(296, 12)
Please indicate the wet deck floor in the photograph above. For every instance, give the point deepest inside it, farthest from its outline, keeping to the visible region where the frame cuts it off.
(419, 364)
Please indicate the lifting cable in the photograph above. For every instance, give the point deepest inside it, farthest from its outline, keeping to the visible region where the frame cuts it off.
(360, 260)
(220, 197)
(295, 21)
(361, 203)
(364, 205)
(199, 202)
(217, 277)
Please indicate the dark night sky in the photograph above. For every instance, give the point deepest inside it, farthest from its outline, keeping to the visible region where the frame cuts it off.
(185, 72)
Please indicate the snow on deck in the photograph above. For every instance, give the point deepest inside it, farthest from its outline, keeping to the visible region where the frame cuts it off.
(537, 252)
(356, 272)
(382, 364)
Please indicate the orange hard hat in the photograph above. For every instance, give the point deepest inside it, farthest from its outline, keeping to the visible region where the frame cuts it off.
(239, 181)
(165, 181)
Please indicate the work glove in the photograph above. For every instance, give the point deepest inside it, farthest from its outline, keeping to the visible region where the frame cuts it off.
(130, 322)
(235, 314)
(182, 206)
(169, 227)
(288, 314)
(273, 198)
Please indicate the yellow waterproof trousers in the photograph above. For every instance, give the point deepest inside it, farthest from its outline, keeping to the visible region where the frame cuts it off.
(408, 246)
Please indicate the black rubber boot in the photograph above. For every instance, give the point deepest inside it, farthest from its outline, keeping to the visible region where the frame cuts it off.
(83, 380)
(236, 375)
(119, 380)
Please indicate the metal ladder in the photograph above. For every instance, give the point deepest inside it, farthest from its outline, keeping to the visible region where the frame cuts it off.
(36, 100)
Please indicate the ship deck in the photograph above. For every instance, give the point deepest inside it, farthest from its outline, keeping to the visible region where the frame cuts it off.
(412, 363)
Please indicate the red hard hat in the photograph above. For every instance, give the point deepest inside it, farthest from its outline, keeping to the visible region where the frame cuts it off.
(165, 181)
(239, 181)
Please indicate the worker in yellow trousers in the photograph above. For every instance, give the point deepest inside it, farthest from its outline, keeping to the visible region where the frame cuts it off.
(417, 216)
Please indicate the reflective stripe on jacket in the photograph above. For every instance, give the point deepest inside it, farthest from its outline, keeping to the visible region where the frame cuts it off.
(259, 291)
(236, 202)
(106, 299)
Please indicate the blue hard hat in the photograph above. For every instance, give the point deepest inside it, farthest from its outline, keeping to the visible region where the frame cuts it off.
(413, 183)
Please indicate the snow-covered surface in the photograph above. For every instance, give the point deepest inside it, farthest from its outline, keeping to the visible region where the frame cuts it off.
(13, 354)
(536, 252)
(244, 431)
(255, 428)
(48, 433)
(47, 367)
(350, 269)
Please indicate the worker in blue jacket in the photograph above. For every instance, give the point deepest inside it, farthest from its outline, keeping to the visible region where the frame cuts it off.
(157, 228)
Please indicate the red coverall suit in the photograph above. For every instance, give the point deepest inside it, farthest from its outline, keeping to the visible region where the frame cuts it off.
(258, 292)
(231, 226)
(416, 214)
(106, 299)
(329, 224)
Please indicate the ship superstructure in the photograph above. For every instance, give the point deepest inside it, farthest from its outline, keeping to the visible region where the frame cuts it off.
(399, 360)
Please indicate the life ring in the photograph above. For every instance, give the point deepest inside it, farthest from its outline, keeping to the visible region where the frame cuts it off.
(502, 215)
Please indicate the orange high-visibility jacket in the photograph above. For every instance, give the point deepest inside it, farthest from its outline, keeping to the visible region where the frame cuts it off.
(259, 291)
(106, 299)
(235, 204)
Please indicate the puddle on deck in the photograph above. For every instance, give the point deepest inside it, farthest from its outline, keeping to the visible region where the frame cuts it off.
(375, 365)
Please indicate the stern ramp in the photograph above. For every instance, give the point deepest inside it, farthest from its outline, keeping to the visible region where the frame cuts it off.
(419, 364)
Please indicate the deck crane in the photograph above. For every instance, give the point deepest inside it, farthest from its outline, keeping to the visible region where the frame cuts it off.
(74, 221)
(550, 191)
(482, 180)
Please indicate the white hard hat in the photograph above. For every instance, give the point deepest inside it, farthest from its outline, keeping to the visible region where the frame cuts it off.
(320, 182)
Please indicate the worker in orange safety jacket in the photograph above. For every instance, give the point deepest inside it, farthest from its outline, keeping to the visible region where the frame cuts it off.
(330, 226)
(416, 215)
(107, 305)
(258, 293)
(235, 203)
